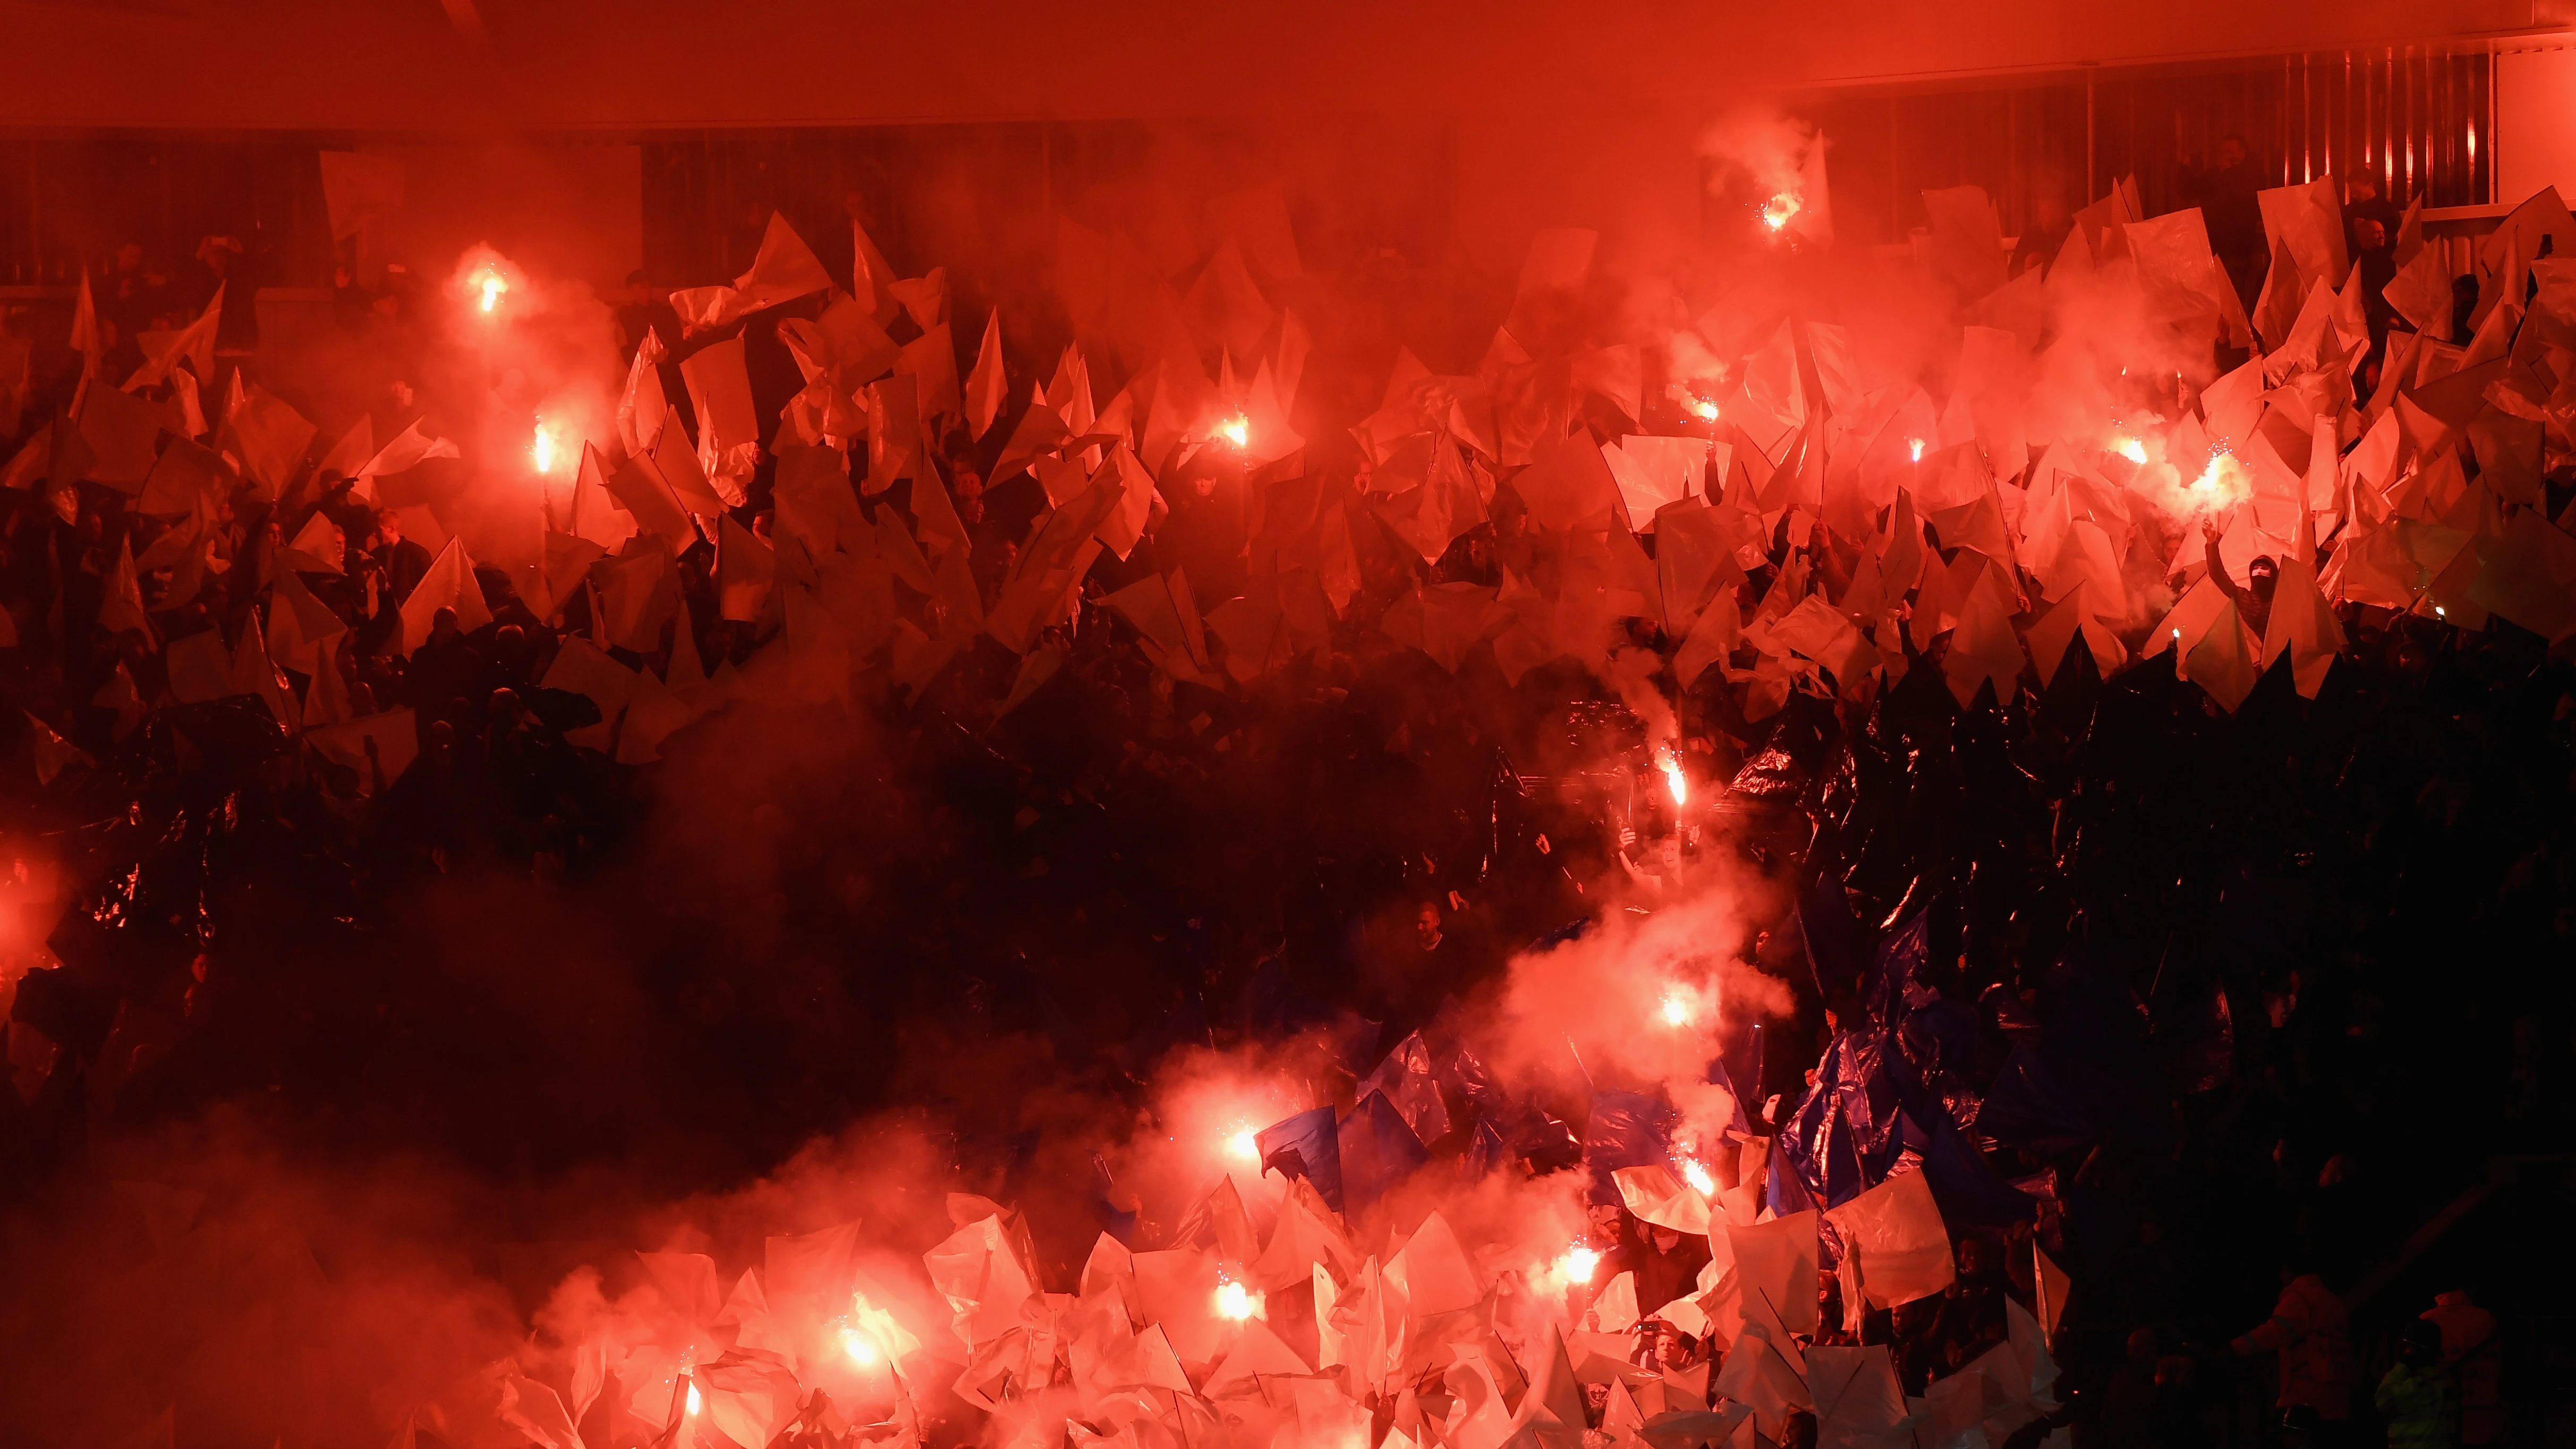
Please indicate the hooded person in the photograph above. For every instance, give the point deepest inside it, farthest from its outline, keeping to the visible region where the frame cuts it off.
(2254, 600)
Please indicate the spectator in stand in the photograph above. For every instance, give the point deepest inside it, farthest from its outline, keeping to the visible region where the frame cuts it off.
(2039, 241)
(2254, 601)
(2474, 1358)
(2415, 1395)
(2363, 203)
(2225, 194)
(2307, 1330)
(221, 262)
(646, 310)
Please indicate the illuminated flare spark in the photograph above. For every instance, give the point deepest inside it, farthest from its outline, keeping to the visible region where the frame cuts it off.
(1237, 430)
(2221, 484)
(694, 1401)
(1777, 211)
(1915, 446)
(1674, 779)
(2132, 449)
(543, 450)
(1237, 1302)
(1697, 1176)
(493, 285)
(1675, 1011)
(1578, 1264)
(1704, 410)
(1244, 1145)
(856, 1345)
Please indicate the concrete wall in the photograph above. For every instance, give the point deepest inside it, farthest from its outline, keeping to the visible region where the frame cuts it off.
(2535, 122)
(402, 64)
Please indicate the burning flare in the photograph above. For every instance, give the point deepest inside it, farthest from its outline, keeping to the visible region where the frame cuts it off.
(1674, 779)
(1697, 1176)
(543, 449)
(1578, 1264)
(1777, 211)
(491, 284)
(1915, 446)
(1704, 410)
(1236, 1302)
(2222, 484)
(1675, 1010)
(856, 1345)
(2131, 449)
(1244, 1145)
(1237, 430)
(694, 1401)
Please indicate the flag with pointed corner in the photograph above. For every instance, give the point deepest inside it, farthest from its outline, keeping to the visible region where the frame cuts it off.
(1306, 1145)
(449, 584)
(987, 389)
(407, 450)
(2223, 663)
(1040, 430)
(268, 438)
(120, 608)
(300, 626)
(316, 548)
(641, 404)
(728, 421)
(88, 337)
(193, 344)
(1895, 1232)
(746, 565)
(935, 514)
(1860, 1404)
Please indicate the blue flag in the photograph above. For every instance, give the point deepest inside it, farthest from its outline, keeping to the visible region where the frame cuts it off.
(1378, 1152)
(1627, 1129)
(1308, 1145)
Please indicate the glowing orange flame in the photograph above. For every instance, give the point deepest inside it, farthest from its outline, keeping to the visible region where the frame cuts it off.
(1578, 1264)
(491, 284)
(1236, 1302)
(1777, 211)
(1915, 447)
(1676, 1009)
(2131, 449)
(1244, 1145)
(543, 449)
(2222, 484)
(1697, 1176)
(1704, 410)
(695, 1403)
(1674, 779)
(856, 1345)
(1237, 430)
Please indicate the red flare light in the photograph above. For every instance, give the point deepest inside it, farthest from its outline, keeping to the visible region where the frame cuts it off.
(1236, 1302)
(1579, 1264)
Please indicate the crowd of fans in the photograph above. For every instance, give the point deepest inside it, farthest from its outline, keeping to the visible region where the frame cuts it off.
(2198, 980)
